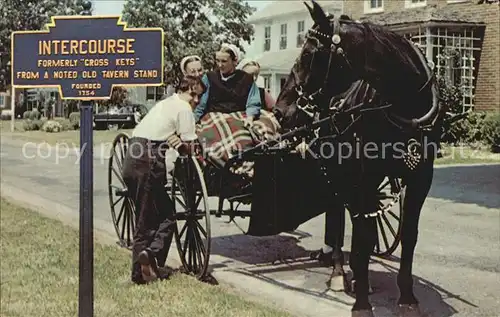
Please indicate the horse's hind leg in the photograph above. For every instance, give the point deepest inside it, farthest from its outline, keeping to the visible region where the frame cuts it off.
(417, 189)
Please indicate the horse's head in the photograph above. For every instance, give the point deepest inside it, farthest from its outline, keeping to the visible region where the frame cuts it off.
(320, 72)
(337, 52)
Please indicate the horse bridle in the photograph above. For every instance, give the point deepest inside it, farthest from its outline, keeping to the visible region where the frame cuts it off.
(311, 108)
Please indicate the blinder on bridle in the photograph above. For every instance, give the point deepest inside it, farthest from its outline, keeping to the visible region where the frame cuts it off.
(324, 42)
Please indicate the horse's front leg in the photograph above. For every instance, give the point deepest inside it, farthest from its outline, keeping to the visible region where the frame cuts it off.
(417, 189)
(363, 242)
(334, 237)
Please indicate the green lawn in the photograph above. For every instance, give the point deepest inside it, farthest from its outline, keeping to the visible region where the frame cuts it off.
(39, 277)
(66, 137)
(467, 155)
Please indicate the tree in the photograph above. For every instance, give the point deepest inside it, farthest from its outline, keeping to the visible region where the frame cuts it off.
(192, 27)
(18, 15)
(118, 97)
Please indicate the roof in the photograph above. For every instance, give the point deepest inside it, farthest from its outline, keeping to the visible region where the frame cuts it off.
(430, 13)
(287, 7)
(280, 61)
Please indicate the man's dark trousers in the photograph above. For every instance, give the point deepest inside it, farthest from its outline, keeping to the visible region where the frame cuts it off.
(145, 177)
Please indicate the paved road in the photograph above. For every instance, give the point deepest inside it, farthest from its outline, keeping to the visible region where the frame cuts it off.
(457, 261)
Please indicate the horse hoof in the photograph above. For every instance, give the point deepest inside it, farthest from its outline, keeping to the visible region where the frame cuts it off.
(409, 310)
(353, 287)
(337, 283)
(362, 313)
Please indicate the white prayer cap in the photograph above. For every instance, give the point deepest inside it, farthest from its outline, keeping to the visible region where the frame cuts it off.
(247, 61)
(233, 48)
(185, 59)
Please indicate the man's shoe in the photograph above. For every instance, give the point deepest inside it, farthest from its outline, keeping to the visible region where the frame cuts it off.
(149, 268)
(325, 259)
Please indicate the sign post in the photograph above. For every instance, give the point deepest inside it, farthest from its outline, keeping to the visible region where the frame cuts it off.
(12, 108)
(84, 57)
(86, 270)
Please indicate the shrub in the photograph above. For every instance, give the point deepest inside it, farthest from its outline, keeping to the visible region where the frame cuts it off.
(450, 96)
(51, 126)
(450, 99)
(32, 125)
(467, 130)
(26, 114)
(65, 124)
(74, 119)
(6, 115)
(35, 115)
(491, 131)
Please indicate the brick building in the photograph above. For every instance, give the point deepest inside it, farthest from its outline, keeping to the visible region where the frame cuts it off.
(461, 37)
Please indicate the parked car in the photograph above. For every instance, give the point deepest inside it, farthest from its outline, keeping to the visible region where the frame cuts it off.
(126, 117)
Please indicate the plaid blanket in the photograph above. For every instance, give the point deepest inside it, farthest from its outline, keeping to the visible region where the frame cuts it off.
(223, 135)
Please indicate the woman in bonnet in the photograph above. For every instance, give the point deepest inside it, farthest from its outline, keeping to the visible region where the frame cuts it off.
(229, 89)
(253, 68)
(191, 65)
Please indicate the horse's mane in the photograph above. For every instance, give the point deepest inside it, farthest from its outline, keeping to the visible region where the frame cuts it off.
(395, 67)
(387, 51)
(398, 46)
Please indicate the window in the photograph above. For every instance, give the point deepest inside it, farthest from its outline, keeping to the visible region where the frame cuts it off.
(283, 37)
(267, 38)
(282, 82)
(455, 53)
(374, 6)
(267, 82)
(415, 3)
(155, 93)
(300, 33)
(150, 93)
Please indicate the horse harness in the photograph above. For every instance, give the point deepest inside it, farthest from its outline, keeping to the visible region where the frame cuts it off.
(414, 150)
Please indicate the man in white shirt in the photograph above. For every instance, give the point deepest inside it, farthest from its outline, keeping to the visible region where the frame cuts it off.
(145, 176)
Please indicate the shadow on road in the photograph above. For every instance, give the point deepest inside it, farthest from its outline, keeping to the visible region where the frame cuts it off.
(258, 250)
(430, 295)
(468, 184)
(277, 260)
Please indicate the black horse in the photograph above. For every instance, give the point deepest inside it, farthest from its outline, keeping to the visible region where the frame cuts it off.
(390, 110)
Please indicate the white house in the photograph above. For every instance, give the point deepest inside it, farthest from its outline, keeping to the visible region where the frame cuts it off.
(279, 35)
